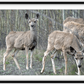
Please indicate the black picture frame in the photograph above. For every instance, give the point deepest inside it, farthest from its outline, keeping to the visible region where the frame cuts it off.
(47, 81)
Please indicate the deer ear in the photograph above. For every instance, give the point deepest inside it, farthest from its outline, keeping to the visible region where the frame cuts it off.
(83, 51)
(72, 50)
(37, 16)
(26, 16)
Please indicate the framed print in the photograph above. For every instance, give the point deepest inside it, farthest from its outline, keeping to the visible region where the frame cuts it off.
(42, 41)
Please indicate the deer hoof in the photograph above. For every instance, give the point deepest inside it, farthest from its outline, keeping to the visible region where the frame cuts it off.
(4, 69)
(76, 73)
(30, 67)
(42, 71)
(55, 73)
(27, 68)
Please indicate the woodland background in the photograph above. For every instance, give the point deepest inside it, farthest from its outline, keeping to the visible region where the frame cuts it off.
(49, 20)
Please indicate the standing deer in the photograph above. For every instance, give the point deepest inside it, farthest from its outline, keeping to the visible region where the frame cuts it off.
(20, 40)
(60, 40)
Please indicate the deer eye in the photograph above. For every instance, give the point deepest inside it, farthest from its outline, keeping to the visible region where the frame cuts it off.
(81, 58)
(76, 58)
(34, 21)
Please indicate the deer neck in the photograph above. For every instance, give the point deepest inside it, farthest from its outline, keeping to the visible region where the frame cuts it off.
(76, 45)
(33, 32)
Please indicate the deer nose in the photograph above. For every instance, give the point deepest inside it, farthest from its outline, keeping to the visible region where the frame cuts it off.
(32, 25)
(79, 66)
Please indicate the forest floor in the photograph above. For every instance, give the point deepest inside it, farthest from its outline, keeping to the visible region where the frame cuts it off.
(11, 68)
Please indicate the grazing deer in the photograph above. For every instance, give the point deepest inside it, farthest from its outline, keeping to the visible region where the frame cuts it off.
(76, 28)
(67, 42)
(20, 40)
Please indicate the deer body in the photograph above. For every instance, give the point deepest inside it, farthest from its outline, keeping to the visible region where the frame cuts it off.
(20, 40)
(23, 40)
(76, 26)
(60, 40)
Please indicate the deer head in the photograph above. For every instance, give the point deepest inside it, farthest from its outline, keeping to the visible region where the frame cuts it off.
(32, 22)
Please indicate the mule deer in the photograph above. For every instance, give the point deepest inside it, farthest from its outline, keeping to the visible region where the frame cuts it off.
(20, 40)
(75, 26)
(60, 40)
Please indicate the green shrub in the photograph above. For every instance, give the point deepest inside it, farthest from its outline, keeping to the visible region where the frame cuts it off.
(7, 62)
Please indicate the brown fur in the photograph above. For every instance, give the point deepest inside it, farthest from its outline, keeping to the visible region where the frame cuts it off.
(60, 40)
(20, 40)
(78, 20)
(76, 28)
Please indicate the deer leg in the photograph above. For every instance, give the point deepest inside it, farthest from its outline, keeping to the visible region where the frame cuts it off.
(49, 49)
(77, 68)
(79, 73)
(53, 64)
(26, 49)
(31, 59)
(65, 58)
(43, 61)
(4, 58)
(17, 64)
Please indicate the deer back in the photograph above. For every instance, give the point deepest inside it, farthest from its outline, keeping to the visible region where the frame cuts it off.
(11, 37)
(78, 20)
(60, 39)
